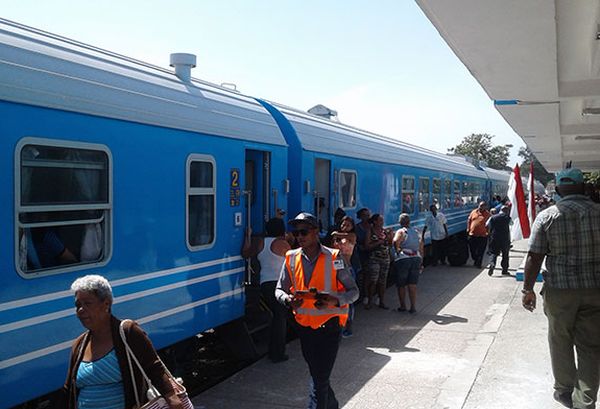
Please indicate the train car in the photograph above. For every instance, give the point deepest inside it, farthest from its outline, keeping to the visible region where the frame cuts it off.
(332, 165)
(111, 166)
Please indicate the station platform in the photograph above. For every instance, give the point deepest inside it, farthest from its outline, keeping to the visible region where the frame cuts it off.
(470, 345)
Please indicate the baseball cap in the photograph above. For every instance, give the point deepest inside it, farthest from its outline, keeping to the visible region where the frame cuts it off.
(571, 176)
(304, 218)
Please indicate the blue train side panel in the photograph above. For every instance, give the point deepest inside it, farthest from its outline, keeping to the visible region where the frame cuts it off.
(171, 214)
(172, 291)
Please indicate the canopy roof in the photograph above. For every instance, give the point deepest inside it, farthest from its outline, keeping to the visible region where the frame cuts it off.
(539, 60)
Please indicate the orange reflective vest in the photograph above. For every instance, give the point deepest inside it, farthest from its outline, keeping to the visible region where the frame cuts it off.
(324, 278)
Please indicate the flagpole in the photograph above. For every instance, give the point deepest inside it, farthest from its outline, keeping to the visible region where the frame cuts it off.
(531, 194)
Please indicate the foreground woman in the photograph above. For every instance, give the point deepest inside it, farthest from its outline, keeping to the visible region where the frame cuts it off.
(99, 374)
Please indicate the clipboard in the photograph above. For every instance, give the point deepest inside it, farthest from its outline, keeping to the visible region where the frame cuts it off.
(311, 294)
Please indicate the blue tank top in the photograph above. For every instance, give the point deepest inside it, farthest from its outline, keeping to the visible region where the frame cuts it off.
(100, 384)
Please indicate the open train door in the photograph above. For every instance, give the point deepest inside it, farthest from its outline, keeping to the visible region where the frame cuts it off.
(322, 192)
(257, 173)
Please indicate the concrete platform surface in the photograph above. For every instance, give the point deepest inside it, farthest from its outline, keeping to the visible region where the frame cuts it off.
(470, 345)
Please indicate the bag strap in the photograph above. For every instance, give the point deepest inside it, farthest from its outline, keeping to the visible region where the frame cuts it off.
(131, 355)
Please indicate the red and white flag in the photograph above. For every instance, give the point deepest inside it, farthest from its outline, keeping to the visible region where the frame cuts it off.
(531, 187)
(518, 209)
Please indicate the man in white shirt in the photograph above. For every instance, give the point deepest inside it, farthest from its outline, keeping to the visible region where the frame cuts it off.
(437, 225)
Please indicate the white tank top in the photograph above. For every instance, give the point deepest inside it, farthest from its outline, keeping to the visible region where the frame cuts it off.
(270, 263)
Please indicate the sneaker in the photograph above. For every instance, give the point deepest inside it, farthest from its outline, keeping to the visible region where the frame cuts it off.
(564, 398)
(505, 273)
(401, 309)
(490, 268)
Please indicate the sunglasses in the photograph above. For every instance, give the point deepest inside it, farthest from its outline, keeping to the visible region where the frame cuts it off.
(300, 232)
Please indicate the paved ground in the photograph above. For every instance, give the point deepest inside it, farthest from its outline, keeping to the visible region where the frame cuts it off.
(471, 345)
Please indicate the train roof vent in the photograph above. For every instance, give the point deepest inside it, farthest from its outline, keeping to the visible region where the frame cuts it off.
(323, 111)
(183, 64)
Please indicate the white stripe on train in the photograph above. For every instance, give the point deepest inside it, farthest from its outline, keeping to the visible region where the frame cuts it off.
(162, 273)
(67, 344)
(156, 290)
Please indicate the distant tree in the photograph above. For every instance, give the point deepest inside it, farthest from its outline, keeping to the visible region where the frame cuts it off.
(479, 146)
(539, 172)
(593, 178)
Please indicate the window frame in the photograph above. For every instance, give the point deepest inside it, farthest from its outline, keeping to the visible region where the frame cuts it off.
(439, 193)
(355, 173)
(402, 191)
(108, 207)
(457, 192)
(447, 192)
(428, 194)
(200, 191)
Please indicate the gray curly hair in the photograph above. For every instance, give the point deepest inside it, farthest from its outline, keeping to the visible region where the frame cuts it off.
(95, 284)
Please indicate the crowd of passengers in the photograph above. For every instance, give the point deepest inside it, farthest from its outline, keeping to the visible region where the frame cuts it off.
(371, 251)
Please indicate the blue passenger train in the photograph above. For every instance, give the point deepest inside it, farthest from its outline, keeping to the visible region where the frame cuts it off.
(150, 179)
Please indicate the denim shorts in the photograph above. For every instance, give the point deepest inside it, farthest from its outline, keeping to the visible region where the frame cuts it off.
(407, 270)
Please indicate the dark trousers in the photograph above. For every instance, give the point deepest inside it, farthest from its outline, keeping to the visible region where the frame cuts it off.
(573, 317)
(477, 247)
(495, 250)
(278, 328)
(319, 348)
(438, 248)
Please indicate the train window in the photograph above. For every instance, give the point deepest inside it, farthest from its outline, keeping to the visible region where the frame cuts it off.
(447, 204)
(64, 206)
(437, 192)
(466, 193)
(480, 193)
(200, 201)
(458, 202)
(423, 194)
(408, 194)
(474, 193)
(347, 189)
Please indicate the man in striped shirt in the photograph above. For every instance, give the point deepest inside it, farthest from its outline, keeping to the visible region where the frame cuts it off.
(568, 236)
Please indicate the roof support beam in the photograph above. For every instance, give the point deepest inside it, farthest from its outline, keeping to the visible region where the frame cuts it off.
(579, 89)
(580, 129)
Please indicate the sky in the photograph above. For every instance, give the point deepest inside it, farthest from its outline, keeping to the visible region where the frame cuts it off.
(380, 64)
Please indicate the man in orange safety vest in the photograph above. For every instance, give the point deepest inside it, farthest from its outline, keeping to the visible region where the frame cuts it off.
(318, 286)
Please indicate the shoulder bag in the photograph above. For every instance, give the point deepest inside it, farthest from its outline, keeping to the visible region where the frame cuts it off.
(155, 400)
